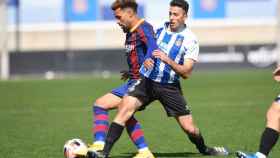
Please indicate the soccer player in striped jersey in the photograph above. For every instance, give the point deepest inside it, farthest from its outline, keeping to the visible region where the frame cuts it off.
(270, 134)
(139, 44)
(178, 53)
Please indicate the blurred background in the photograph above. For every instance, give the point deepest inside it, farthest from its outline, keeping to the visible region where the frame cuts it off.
(56, 38)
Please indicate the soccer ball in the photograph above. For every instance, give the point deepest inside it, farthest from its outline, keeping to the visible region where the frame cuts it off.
(75, 148)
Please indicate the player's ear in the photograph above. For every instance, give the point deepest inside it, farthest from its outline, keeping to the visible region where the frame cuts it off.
(185, 15)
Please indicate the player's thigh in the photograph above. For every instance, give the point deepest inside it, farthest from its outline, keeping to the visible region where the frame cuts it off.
(108, 101)
(273, 116)
(141, 91)
(172, 100)
(126, 109)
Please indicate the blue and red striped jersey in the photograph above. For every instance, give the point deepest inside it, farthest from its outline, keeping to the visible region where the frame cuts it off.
(139, 44)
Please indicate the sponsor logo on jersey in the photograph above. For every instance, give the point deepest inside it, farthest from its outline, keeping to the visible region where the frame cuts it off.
(129, 48)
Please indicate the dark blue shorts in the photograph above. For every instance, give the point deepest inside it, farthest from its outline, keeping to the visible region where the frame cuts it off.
(123, 89)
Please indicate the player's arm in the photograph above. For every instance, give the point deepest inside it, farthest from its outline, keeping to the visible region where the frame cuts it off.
(191, 49)
(148, 37)
(183, 70)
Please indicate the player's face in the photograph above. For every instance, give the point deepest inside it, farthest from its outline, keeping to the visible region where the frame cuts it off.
(122, 18)
(177, 17)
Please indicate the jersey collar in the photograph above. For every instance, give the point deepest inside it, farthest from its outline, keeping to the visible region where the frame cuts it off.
(137, 25)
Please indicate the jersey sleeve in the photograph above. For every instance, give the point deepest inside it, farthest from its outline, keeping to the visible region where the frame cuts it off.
(148, 37)
(191, 50)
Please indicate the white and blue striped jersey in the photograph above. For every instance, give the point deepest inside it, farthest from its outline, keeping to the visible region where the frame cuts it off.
(178, 46)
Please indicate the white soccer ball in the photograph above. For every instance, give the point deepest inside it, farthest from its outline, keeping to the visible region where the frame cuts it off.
(75, 148)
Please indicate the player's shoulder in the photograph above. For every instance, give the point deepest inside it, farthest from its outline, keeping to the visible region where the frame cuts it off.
(189, 34)
(146, 23)
(146, 26)
(160, 28)
(163, 26)
(190, 37)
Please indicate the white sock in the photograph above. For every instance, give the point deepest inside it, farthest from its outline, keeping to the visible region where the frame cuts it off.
(143, 149)
(99, 142)
(260, 155)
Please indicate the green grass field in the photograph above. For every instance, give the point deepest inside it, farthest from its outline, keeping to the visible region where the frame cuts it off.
(38, 116)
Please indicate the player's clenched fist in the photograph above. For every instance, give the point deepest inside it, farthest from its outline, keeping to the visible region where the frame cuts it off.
(161, 55)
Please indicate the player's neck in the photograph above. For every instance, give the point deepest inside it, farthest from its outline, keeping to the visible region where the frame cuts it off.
(179, 28)
(135, 23)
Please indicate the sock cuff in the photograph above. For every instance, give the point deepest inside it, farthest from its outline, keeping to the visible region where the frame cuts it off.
(117, 126)
(272, 131)
(143, 149)
(98, 108)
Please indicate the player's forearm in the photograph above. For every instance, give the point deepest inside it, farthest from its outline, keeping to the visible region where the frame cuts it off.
(182, 70)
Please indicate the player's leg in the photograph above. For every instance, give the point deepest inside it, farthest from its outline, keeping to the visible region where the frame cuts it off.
(270, 135)
(136, 134)
(111, 101)
(101, 119)
(176, 106)
(137, 96)
(134, 128)
(195, 136)
(126, 109)
(100, 114)
(187, 125)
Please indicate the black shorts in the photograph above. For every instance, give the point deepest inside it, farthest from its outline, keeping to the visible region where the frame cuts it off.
(169, 95)
(277, 99)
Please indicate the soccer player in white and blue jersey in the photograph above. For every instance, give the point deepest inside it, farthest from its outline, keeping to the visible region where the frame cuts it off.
(270, 134)
(178, 52)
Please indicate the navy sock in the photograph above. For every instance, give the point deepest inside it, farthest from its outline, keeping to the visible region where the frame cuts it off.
(268, 140)
(199, 142)
(114, 133)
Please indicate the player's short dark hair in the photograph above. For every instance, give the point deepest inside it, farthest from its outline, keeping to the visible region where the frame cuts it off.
(180, 3)
(125, 4)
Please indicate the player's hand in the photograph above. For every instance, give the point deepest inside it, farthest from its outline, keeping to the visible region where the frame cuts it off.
(161, 55)
(276, 74)
(124, 74)
(149, 63)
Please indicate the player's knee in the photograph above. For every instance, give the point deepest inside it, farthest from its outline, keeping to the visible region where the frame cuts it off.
(276, 108)
(273, 112)
(100, 103)
(123, 116)
(189, 127)
(125, 110)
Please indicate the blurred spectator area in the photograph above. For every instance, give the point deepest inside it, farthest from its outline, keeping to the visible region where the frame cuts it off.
(81, 36)
(89, 24)
(107, 34)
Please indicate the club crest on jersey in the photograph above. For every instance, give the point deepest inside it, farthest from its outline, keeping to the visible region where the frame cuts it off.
(179, 42)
